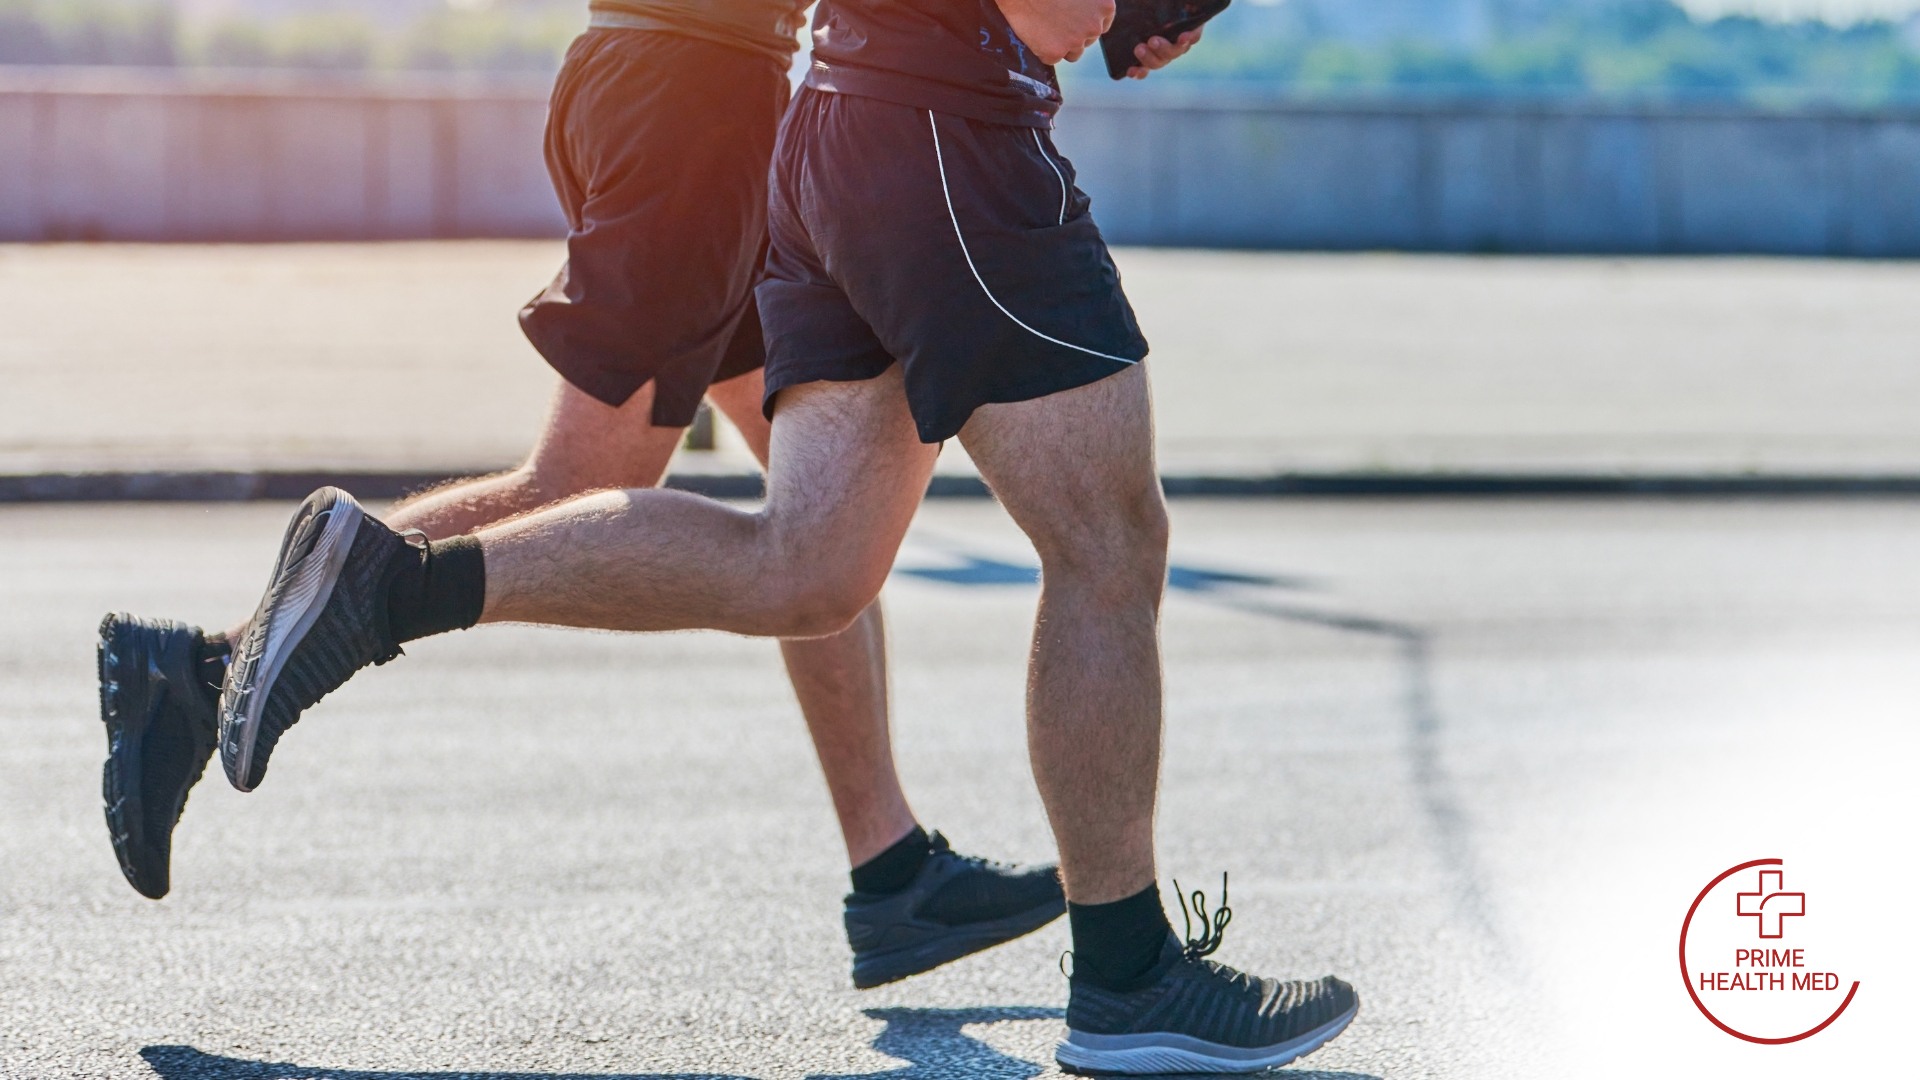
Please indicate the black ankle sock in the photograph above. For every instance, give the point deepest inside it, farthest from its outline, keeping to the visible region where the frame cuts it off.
(210, 664)
(438, 588)
(895, 868)
(1118, 945)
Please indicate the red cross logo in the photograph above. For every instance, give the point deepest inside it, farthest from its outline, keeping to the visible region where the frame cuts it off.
(1771, 905)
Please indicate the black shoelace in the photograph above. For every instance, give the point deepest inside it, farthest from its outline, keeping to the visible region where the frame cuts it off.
(1213, 928)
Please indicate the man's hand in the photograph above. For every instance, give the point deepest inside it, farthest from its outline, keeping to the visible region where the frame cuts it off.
(1158, 52)
(1059, 30)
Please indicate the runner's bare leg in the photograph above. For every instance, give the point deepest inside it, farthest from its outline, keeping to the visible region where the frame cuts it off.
(851, 472)
(1076, 472)
(586, 445)
(841, 682)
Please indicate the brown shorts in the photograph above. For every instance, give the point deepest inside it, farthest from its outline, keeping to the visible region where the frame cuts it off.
(658, 145)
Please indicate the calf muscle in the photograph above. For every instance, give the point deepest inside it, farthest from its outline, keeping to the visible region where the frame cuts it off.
(841, 684)
(1076, 472)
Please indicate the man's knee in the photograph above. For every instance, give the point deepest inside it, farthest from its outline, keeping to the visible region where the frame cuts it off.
(813, 590)
(1144, 535)
(1118, 547)
(824, 604)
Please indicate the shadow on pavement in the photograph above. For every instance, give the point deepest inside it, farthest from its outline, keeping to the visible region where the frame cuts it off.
(933, 1042)
(186, 1063)
(972, 569)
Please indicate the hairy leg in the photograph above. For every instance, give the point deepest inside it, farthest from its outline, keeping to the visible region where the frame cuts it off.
(850, 471)
(586, 445)
(1076, 471)
(841, 683)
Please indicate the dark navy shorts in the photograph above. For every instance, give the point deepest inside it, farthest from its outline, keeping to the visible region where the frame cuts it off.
(658, 146)
(959, 249)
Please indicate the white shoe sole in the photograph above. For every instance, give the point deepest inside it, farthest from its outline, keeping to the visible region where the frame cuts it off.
(1163, 1053)
(297, 608)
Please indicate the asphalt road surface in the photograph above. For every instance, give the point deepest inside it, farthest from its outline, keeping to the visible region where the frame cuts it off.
(1477, 757)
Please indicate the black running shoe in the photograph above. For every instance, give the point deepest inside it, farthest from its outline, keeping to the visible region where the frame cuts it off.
(1197, 1016)
(324, 617)
(160, 733)
(957, 906)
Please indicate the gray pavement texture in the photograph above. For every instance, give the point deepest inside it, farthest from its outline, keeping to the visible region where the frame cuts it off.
(1475, 756)
(406, 356)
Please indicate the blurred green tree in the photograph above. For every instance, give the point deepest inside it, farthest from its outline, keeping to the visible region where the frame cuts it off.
(481, 39)
(144, 33)
(1606, 49)
(235, 43)
(326, 43)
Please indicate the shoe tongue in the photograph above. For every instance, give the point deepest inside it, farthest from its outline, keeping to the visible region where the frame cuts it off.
(1172, 955)
(1173, 952)
(1176, 953)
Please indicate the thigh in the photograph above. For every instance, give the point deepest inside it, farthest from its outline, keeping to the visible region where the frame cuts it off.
(588, 445)
(846, 472)
(739, 400)
(1074, 469)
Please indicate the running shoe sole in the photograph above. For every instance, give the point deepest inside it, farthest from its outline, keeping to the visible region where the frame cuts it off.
(120, 781)
(149, 695)
(879, 969)
(1161, 1053)
(292, 605)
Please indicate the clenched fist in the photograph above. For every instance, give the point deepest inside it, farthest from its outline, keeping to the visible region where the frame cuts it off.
(1058, 30)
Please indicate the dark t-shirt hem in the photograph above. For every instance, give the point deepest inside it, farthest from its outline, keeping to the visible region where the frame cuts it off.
(903, 89)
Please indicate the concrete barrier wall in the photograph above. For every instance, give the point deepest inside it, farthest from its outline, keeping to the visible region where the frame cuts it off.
(102, 155)
(1493, 178)
(128, 156)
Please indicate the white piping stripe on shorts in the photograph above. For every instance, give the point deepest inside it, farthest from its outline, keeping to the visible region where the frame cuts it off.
(940, 159)
(1056, 171)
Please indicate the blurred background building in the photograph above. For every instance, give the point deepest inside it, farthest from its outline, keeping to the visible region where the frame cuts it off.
(1639, 126)
(499, 35)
